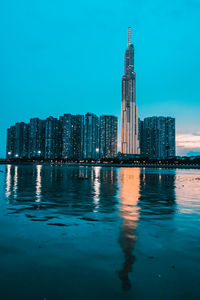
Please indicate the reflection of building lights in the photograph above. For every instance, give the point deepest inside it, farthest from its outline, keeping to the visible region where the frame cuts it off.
(38, 183)
(15, 181)
(9, 153)
(39, 152)
(97, 149)
(16, 155)
(96, 187)
(8, 181)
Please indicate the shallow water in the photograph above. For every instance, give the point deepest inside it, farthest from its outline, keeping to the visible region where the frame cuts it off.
(99, 233)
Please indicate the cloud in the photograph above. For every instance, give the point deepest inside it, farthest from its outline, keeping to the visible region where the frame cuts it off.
(188, 141)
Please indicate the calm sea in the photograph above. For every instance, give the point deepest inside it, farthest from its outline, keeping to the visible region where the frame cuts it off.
(99, 233)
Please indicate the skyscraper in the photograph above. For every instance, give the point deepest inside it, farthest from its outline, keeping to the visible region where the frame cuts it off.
(129, 110)
(108, 136)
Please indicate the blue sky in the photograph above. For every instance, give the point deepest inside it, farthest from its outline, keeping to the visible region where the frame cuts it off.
(63, 56)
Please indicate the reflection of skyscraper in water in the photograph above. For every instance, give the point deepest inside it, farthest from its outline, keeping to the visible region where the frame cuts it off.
(130, 183)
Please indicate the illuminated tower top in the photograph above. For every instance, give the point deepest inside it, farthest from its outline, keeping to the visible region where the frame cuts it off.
(129, 36)
(129, 57)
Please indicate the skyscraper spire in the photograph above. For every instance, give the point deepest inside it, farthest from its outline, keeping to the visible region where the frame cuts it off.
(129, 36)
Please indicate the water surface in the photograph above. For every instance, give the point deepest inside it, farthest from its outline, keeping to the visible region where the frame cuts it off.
(99, 233)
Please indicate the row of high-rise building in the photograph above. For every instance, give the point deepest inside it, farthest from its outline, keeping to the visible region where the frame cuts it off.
(155, 136)
(69, 137)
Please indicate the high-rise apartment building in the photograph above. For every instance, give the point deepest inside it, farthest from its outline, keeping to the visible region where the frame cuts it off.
(72, 127)
(170, 137)
(129, 110)
(10, 149)
(21, 140)
(108, 136)
(18, 149)
(70, 137)
(157, 137)
(91, 136)
(36, 138)
(52, 138)
(66, 136)
(78, 136)
(140, 135)
(18, 141)
(25, 143)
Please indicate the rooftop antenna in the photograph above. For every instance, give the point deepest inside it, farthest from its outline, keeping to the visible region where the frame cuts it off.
(129, 36)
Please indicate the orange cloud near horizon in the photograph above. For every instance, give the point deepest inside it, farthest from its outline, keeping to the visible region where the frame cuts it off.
(188, 141)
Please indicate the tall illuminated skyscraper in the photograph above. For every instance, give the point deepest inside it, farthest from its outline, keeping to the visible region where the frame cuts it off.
(129, 110)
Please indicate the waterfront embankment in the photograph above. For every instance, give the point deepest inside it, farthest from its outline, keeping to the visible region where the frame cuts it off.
(106, 164)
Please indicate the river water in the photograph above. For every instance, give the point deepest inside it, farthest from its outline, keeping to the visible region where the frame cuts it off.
(99, 233)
